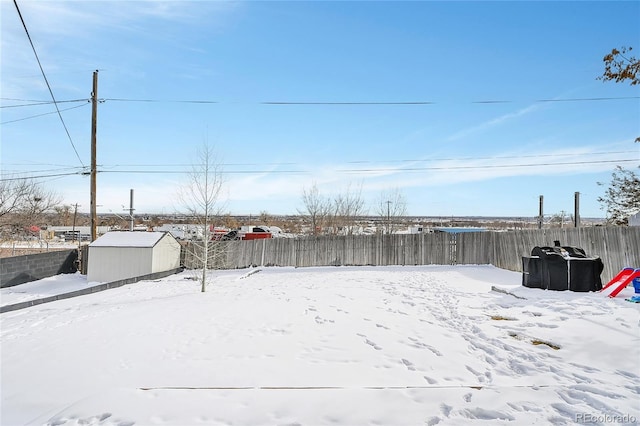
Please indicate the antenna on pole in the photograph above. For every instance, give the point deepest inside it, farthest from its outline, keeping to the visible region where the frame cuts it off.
(131, 209)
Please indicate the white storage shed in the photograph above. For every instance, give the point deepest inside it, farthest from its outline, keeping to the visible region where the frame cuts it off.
(119, 255)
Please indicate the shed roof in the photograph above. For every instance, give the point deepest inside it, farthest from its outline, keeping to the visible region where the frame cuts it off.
(129, 239)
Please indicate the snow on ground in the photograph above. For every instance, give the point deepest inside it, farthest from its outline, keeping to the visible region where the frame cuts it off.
(45, 287)
(324, 346)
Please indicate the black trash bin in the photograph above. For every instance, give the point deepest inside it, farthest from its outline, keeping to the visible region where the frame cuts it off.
(561, 268)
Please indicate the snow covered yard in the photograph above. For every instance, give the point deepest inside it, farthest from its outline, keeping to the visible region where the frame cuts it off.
(324, 346)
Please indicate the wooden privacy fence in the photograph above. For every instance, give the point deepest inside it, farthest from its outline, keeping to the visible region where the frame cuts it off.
(341, 250)
(617, 246)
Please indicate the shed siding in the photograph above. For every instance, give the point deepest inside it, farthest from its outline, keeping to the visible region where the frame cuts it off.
(166, 255)
(108, 264)
(124, 255)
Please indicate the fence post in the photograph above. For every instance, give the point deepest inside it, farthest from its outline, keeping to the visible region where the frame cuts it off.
(453, 248)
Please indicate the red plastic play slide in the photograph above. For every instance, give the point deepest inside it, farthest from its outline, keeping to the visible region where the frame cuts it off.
(620, 281)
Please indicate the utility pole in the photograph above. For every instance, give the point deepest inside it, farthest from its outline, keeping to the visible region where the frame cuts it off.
(541, 212)
(576, 214)
(94, 127)
(388, 218)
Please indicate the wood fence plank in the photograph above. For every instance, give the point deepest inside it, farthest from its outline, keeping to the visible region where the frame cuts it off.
(618, 247)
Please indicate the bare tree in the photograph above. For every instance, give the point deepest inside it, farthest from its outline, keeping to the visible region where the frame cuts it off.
(315, 206)
(200, 197)
(391, 205)
(348, 206)
(24, 202)
(561, 220)
(265, 217)
(62, 214)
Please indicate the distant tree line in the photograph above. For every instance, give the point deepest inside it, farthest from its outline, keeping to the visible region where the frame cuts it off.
(341, 213)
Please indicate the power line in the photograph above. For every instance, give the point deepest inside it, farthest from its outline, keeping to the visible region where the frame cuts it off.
(37, 103)
(47, 81)
(40, 176)
(413, 160)
(190, 165)
(491, 166)
(417, 102)
(15, 173)
(433, 102)
(427, 160)
(497, 157)
(310, 103)
(588, 99)
(346, 103)
(231, 172)
(40, 115)
(351, 171)
(21, 100)
(41, 164)
(347, 171)
(162, 101)
(403, 169)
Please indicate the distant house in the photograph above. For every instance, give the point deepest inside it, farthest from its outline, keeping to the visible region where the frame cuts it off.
(634, 220)
(119, 255)
(182, 231)
(72, 233)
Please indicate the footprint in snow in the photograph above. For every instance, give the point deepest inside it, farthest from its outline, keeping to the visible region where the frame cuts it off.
(370, 343)
(321, 320)
(430, 380)
(408, 364)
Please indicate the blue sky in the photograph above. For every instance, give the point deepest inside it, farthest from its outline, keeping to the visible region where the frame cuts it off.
(450, 153)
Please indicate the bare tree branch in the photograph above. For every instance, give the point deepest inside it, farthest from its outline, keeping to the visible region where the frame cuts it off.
(347, 207)
(390, 206)
(23, 203)
(200, 197)
(316, 207)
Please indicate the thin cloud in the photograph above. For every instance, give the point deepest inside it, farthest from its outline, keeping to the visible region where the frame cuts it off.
(584, 160)
(494, 122)
(86, 17)
(437, 174)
